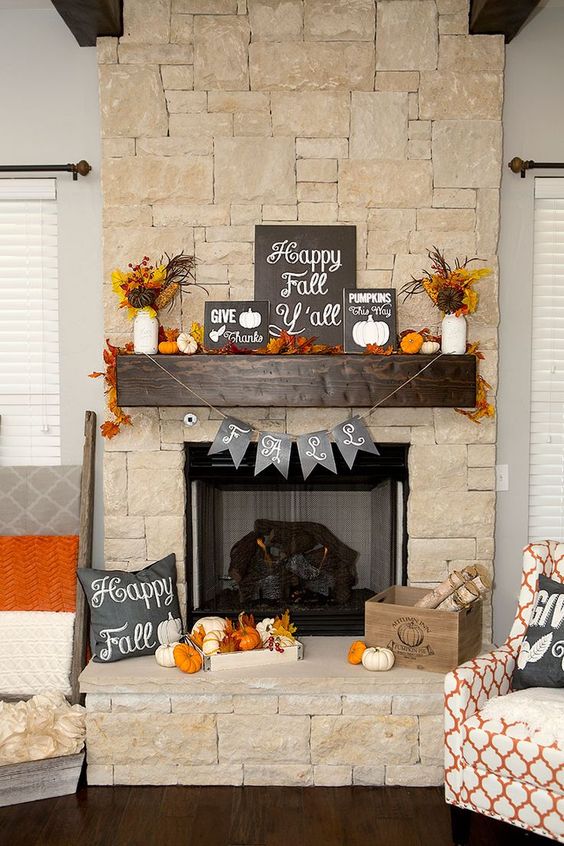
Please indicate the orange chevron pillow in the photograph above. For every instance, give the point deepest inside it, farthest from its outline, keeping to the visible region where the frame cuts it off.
(38, 573)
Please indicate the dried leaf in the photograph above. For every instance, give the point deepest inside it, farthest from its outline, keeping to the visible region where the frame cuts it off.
(109, 429)
(374, 349)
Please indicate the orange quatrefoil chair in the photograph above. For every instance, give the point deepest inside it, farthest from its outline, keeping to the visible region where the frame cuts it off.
(492, 765)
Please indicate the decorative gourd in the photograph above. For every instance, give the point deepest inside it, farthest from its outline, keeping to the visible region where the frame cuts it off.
(187, 658)
(168, 347)
(264, 629)
(164, 656)
(249, 319)
(187, 344)
(210, 624)
(170, 630)
(356, 652)
(377, 659)
(429, 347)
(411, 343)
(211, 642)
(370, 332)
(410, 634)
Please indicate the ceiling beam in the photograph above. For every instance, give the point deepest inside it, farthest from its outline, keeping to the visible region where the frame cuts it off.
(500, 17)
(89, 19)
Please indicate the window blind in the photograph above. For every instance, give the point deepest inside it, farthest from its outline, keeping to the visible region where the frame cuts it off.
(546, 486)
(29, 323)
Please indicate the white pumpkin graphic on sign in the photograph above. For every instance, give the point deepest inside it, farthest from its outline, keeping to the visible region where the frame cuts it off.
(249, 319)
(370, 332)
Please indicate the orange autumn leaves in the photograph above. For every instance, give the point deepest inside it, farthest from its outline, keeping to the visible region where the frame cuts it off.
(110, 428)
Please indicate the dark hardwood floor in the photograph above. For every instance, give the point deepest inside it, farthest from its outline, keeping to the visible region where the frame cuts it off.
(246, 816)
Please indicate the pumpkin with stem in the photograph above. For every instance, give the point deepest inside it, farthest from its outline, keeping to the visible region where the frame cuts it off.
(168, 347)
(411, 343)
(355, 652)
(187, 658)
(246, 634)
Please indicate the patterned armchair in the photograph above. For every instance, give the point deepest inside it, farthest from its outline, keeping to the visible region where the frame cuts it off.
(492, 766)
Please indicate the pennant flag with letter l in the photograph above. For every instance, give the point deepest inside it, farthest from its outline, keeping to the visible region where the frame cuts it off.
(316, 448)
(351, 436)
(234, 436)
(275, 449)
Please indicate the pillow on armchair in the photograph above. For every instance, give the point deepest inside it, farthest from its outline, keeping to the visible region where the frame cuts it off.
(540, 661)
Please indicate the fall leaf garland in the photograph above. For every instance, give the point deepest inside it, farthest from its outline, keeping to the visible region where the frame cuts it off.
(110, 428)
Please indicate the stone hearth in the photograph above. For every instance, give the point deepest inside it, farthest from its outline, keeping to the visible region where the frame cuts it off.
(320, 721)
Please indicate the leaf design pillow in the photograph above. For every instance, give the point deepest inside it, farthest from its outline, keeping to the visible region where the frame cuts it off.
(540, 660)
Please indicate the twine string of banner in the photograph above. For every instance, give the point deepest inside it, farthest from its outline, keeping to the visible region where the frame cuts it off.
(360, 416)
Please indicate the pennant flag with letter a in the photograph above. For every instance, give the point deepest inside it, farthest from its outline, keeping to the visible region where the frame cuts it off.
(273, 449)
(316, 448)
(352, 436)
(234, 436)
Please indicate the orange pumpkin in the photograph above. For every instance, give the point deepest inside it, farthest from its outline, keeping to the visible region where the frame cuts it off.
(410, 343)
(168, 347)
(355, 652)
(246, 635)
(187, 658)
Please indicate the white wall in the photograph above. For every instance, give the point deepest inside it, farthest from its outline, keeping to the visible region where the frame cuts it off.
(49, 108)
(533, 125)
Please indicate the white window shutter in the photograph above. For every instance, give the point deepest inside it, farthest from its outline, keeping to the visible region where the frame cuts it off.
(29, 323)
(546, 486)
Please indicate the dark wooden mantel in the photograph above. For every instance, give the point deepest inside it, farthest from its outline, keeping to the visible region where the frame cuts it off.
(344, 381)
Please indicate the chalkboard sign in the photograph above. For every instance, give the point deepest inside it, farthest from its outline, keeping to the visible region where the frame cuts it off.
(302, 271)
(369, 318)
(244, 324)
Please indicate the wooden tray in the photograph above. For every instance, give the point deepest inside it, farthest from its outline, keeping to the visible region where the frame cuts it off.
(252, 658)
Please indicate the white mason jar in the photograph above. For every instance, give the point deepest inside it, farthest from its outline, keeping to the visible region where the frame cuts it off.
(145, 333)
(454, 330)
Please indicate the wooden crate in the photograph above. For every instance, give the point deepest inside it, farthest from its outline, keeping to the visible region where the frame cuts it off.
(423, 638)
(43, 779)
(253, 658)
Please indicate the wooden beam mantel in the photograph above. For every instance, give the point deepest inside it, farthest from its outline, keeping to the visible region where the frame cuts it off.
(344, 381)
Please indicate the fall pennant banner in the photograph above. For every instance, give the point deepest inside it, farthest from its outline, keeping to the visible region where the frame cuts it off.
(273, 448)
(233, 436)
(351, 437)
(314, 449)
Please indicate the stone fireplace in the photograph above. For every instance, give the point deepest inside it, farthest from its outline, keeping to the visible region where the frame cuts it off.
(221, 114)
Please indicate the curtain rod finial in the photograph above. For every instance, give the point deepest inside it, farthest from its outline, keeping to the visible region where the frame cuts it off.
(517, 165)
(82, 167)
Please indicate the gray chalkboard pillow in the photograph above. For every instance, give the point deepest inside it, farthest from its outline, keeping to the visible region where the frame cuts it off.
(131, 614)
(540, 661)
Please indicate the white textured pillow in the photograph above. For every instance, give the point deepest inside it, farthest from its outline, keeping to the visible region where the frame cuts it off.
(540, 709)
(35, 651)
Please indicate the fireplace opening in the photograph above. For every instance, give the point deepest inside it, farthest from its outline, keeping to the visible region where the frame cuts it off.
(320, 548)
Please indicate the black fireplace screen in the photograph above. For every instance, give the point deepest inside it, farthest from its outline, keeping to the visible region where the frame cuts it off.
(320, 548)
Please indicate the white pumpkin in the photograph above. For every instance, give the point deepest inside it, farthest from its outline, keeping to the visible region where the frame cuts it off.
(264, 629)
(210, 624)
(164, 656)
(429, 347)
(370, 332)
(170, 630)
(187, 344)
(249, 319)
(210, 644)
(378, 659)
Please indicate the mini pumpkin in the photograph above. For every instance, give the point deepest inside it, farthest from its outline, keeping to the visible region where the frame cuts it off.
(170, 630)
(210, 624)
(168, 347)
(246, 635)
(356, 652)
(187, 658)
(187, 344)
(378, 659)
(264, 628)
(164, 656)
(411, 343)
(429, 347)
(211, 642)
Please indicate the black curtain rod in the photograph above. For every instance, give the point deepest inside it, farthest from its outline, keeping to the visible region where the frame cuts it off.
(82, 167)
(517, 165)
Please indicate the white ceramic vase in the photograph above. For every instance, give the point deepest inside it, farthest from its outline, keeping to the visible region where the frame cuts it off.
(145, 333)
(454, 331)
